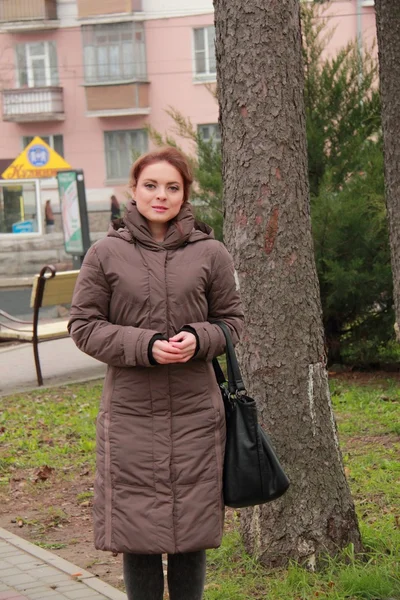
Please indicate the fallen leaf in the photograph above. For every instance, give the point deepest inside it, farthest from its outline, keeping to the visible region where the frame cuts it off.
(43, 473)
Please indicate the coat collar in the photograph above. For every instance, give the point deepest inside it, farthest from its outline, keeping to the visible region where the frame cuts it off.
(134, 227)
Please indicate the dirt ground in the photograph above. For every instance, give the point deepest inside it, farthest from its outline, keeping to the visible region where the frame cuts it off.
(379, 378)
(51, 515)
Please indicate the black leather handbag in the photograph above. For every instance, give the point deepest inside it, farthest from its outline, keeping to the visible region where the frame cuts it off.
(252, 472)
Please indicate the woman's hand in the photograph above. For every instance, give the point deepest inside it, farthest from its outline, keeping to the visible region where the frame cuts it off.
(163, 353)
(186, 343)
(179, 349)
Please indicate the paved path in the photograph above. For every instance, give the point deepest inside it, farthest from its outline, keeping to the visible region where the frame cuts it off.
(61, 363)
(28, 572)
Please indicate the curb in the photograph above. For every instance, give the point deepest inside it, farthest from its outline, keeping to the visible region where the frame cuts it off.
(63, 565)
(61, 383)
(24, 281)
(9, 347)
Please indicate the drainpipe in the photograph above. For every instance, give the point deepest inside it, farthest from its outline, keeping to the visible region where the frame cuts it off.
(360, 36)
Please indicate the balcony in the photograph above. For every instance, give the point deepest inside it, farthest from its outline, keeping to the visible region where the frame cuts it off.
(29, 105)
(117, 99)
(101, 8)
(28, 15)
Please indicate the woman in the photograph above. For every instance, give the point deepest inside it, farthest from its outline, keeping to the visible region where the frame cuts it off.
(144, 304)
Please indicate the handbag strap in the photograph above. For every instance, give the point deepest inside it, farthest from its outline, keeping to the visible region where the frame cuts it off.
(219, 374)
(235, 380)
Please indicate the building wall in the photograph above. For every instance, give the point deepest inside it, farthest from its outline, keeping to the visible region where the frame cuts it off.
(169, 47)
(341, 21)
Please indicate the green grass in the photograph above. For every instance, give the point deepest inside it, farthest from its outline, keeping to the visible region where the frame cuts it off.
(56, 428)
(54, 546)
(84, 497)
(368, 420)
(233, 575)
(49, 427)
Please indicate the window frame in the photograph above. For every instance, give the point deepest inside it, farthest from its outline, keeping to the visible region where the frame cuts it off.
(136, 70)
(36, 185)
(207, 74)
(123, 170)
(50, 142)
(215, 126)
(50, 71)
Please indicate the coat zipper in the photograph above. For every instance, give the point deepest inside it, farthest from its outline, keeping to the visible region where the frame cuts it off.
(170, 405)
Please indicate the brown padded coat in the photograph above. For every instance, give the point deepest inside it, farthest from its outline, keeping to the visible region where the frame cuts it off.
(160, 429)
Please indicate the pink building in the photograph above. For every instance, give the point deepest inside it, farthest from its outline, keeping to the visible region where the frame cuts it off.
(88, 75)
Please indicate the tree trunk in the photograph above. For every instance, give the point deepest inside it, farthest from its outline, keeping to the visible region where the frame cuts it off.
(388, 30)
(268, 231)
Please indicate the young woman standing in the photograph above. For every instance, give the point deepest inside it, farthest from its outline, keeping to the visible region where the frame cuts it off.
(144, 304)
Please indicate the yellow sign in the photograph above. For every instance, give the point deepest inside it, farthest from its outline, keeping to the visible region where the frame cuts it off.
(37, 161)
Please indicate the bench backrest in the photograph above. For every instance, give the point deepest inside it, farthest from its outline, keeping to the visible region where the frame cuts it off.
(57, 289)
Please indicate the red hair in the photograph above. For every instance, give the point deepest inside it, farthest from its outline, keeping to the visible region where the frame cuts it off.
(170, 155)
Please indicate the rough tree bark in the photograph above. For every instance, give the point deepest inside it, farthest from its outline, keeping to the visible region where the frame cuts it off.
(388, 30)
(268, 231)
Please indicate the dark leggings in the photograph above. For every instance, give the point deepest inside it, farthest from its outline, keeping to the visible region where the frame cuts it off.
(144, 577)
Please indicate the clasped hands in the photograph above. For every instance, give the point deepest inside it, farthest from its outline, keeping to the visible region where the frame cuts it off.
(178, 349)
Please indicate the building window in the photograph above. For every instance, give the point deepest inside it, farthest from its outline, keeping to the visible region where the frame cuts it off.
(122, 149)
(204, 52)
(19, 208)
(54, 141)
(114, 52)
(210, 132)
(37, 64)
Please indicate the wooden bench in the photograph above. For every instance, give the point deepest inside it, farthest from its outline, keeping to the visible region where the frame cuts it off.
(49, 289)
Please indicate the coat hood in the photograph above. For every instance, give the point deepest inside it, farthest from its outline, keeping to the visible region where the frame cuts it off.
(134, 228)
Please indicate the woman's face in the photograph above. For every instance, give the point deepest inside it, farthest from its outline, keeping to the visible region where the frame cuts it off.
(158, 192)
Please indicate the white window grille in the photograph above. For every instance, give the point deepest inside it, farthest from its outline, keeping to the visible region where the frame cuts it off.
(122, 149)
(114, 52)
(204, 52)
(37, 64)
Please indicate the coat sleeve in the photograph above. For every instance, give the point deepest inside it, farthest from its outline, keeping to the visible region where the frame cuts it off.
(224, 304)
(89, 327)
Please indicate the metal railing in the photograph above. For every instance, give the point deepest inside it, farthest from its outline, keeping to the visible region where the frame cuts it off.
(33, 104)
(24, 10)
